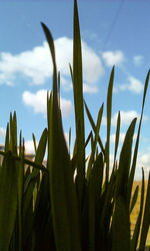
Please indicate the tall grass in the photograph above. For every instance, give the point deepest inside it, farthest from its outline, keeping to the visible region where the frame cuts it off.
(64, 206)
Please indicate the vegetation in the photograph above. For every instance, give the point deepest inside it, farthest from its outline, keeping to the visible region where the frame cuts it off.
(72, 204)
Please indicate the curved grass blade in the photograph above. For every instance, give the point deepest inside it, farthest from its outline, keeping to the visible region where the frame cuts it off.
(62, 189)
(124, 162)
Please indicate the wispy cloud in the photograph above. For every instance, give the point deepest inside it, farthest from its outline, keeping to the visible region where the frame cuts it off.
(134, 85)
(113, 58)
(89, 89)
(36, 64)
(138, 60)
(38, 102)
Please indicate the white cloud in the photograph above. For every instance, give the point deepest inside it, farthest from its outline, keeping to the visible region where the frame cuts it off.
(89, 89)
(134, 85)
(121, 137)
(126, 117)
(36, 64)
(143, 160)
(113, 58)
(38, 101)
(138, 60)
(2, 132)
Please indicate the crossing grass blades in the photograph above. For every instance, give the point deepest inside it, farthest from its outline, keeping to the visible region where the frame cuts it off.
(52, 209)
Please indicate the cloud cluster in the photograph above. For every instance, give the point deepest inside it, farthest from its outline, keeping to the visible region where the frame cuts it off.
(36, 64)
(38, 102)
(113, 58)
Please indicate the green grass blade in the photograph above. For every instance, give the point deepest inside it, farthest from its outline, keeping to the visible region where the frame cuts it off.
(117, 137)
(134, 241)
(40, 152)
(94, 144)
(62, 189)
(137, 140)
(124, 162)
(52, 50)
(121, 219)
(94, 127)
(78, 104)
(146, 219)
(69, 141)
(11, 133)
(8, 201)
(88, 139)
(34, 142)
(121, 226)
(134, 199)
(7, 138)
(109, 108)
(95, 183)
(20, 172)
(30, 182)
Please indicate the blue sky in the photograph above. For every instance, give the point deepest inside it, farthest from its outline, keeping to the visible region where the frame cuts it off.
(113, 32)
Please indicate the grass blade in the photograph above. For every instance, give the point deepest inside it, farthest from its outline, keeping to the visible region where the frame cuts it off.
(134, 241)
(78, 104)
(95, 182)
(134, 199)
(94, 127)
(8, 201)
(91, 161)
(146, 219)
(121, 220)
(109, 108)
(117, 137)
(34, 142)
(62, 189)
(137, 140)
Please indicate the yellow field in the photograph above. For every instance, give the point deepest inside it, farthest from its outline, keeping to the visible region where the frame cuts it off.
(135, 211)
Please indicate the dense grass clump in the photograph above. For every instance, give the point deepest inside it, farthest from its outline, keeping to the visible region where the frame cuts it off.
(64, 206)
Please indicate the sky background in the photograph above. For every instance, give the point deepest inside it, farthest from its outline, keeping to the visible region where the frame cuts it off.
(113, 32)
